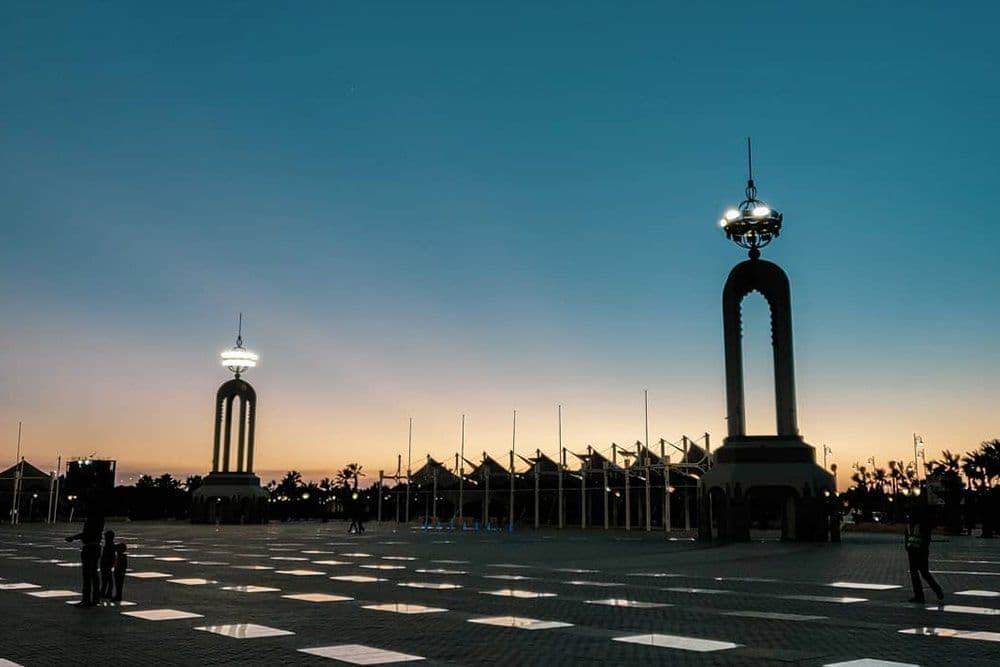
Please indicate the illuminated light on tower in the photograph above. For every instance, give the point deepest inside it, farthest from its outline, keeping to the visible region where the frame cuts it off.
(753, 224)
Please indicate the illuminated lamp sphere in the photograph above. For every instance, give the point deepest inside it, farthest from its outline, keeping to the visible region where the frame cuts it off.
(239, 359)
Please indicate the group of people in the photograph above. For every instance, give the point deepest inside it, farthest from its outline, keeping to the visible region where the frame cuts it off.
(103, 569)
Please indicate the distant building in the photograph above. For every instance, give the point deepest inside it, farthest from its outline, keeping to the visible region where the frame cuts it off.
(34, 491)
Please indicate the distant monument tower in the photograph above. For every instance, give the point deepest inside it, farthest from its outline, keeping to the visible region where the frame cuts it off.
(771, 477)
(231, 493)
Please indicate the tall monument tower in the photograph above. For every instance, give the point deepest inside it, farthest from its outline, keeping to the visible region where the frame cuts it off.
(231, 493)
(767, 476)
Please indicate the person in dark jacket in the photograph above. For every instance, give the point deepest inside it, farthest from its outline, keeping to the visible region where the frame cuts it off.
(90, 554)
(121, 566)
(918, 547)
(107, 563)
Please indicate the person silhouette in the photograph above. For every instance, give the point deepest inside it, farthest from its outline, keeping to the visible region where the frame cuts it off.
(90, 552)
(121, 566)
(918, 546)
(107, 562)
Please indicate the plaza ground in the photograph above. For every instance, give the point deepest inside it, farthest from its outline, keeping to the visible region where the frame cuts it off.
(528, 598)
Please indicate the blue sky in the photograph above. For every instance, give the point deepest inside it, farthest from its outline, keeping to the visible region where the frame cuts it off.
(431, 208)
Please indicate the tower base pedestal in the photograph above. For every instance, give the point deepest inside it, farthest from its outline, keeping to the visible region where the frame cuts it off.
(229, 497)
(767, 482)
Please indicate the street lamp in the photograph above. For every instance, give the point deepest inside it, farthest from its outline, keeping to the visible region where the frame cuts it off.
(238, 359)
(753, 224)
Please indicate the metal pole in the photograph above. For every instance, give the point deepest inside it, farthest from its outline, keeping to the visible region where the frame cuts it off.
(605, 467)
(381, 490)
(435, 503)
(537, 475)
(666, 496)
(461, 478)
(52, 488)
(645, 458)
(409, 469)
(628, 495)
(399, 469)
(15, 506)
(55, 507)
(513, 448)
(687, 491)
(559, 468)
(583, 497)
(486, 495)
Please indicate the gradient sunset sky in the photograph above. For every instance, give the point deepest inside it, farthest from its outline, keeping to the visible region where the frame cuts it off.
(429, 209)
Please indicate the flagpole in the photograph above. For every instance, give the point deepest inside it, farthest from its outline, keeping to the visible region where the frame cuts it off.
(409, 469)
(461, 477)
(513, 448)
(16, 501)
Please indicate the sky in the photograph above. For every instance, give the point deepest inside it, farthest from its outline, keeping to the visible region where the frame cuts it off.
(433, 209)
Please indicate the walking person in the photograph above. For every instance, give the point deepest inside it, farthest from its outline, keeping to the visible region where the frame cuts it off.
(121, 566)
(918, 546)
(107, 563)
(90, 553)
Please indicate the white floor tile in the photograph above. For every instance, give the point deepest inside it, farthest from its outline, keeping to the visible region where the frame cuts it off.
(400, 608)
(149, 575)
(980, 594)
(358, 578)
(620, 602)
(192, 581)
(518, 593)
(317, 597)
(863, 586)
(870, 662)
(53, 594)
(824, 598)
(251, 589)
(520, 622)
(161, 614)
(301, 573)
(960, 609)
(679, 642)
(244, 630)
(437, 586)
(18, 587)
(774, 616)
(358, 654)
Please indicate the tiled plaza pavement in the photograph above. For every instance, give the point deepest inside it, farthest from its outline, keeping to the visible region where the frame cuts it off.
(524, 599)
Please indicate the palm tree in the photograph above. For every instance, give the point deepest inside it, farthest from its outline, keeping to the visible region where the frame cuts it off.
(350, 475)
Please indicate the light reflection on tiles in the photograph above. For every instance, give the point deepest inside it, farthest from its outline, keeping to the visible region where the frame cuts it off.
(446, 561)
(774, 616)
(357, 554)
(863, 586)
(507, 577)
(332, 562)
(705, 591)
(149, 575)
(824, 598)
(359, 654)
(384, 567)
(679, 642)
(358, 578)
(192, 581)
(70, 565)
(317, 597)
(298, 558)
(440, 571)
(636, 604)
(244, 630)
(977, 593)
(301, 573)
(932, 632)
(654, 575)
(53, 594)
(251, 589)
(518, 593)
(870, 662)
(430, 585)
(598, 584)
(520, 622)
(400, 608)
(398, 558)
(960, 609)
(171, 559)
(575, 570)
(161, 614)
(253, 567)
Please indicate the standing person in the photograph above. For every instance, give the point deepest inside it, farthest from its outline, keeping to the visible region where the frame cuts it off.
(107, 562)
(918, 547)
(90, 552)
(121, 566)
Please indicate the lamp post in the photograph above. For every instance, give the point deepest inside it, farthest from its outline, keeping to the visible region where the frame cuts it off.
(826, 450)
(753, 224)
(917, 442)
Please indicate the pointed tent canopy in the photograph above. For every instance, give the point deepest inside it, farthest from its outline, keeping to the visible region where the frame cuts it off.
(489, 466)
(28, 472)
(425, 474)
(545, 464)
